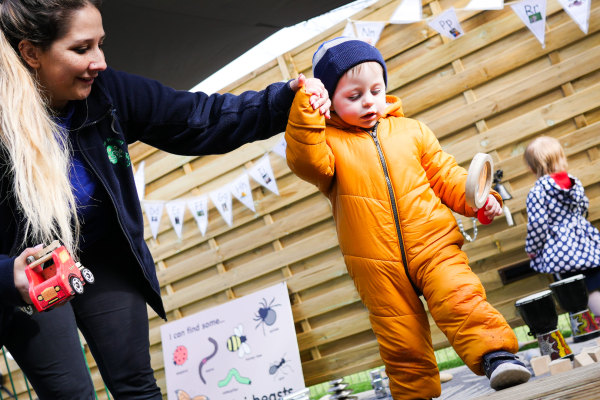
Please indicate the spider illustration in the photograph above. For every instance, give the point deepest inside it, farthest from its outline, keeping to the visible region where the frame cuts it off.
(266, 315)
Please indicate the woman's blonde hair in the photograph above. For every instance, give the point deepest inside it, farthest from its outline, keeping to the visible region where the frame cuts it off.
(38, 154)
(545, 155)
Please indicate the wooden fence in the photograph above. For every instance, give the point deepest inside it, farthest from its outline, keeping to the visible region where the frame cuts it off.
(492, 90)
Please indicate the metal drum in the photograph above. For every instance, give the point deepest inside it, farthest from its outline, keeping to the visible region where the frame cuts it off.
(539, 313)
(572, 296)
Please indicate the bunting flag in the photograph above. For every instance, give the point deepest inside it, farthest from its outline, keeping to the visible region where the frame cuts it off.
(485, 5)
(349, 30)
(154, 210)
(242, 191)
(533, 15)
(139, 180)
(369, 31)
(262, 173)
(199, 208)
(221, 198)
(175, 210)
(447, 24)
(579, 11)
(408, 11)
(280, 147)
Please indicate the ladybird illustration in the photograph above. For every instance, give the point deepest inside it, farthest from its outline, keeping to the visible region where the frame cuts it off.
(180, 355)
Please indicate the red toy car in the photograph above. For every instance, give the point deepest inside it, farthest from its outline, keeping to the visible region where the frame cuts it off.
(54, 277)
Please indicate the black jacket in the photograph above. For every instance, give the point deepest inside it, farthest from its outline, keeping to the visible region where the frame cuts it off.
(123, 109)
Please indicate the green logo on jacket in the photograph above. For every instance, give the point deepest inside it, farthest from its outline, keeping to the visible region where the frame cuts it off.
(117, 151)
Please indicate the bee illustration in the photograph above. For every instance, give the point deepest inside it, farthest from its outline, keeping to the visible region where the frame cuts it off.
(237, 342)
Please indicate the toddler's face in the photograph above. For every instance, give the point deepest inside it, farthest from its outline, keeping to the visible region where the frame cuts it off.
(359, 98)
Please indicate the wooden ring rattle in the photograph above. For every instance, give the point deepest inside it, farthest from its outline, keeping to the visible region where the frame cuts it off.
(479, 183)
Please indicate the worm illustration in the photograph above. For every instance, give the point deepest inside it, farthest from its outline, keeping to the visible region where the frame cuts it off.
(205, 359)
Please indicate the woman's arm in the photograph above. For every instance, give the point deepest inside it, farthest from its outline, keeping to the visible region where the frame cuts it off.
(194, 123)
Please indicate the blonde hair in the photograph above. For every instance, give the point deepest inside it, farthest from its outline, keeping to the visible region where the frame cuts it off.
(545, 155)
(359, 67)
(38, 154)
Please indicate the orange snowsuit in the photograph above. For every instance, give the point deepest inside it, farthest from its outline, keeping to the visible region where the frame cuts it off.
(391, 191)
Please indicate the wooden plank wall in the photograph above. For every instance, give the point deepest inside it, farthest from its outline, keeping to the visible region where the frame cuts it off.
(491, 91)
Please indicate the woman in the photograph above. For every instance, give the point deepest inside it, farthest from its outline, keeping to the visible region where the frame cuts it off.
(77, 159)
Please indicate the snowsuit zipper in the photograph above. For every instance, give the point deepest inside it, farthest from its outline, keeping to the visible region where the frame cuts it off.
(386, 174)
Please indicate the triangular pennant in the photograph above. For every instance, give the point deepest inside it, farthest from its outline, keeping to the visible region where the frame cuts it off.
(485, 5)
(221, 198)
(280, 147)
(369, 31)
(138, 178)
(154, 210)
(199, 208)
(262, 173)
(176, 209)
(408, 11)
(349, 30)
(447, 24)
(242, 191)
(579, 11)
(533, 15)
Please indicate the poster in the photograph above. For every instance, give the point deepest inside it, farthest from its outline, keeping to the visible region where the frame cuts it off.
(245, 349)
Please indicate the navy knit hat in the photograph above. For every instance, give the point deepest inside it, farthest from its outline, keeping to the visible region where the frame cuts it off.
(336, 56)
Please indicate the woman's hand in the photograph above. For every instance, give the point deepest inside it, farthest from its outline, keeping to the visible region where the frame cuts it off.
(21, 282)
(319, 98)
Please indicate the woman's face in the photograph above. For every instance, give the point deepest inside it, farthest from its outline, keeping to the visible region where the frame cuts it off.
(67, 69)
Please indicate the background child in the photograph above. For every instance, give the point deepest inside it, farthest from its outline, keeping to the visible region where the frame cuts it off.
(391, 189)
(556, 220)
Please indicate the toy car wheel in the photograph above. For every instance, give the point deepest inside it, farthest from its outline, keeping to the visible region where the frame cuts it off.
(88, 277)
(76, 284)
(28, 309)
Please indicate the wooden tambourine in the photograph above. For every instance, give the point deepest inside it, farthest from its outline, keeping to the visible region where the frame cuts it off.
(479, 183)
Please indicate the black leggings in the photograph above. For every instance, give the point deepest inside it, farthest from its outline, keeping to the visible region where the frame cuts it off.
(112, 316)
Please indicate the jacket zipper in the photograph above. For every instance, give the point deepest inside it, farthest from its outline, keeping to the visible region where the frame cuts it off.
(111, 111)
(388, 181)
(94, 122)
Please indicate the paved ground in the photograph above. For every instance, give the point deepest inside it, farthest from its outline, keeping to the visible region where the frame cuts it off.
(465, 385)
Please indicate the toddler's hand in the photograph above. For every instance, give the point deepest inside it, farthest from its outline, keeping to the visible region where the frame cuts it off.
(492, 208)
(319, 98)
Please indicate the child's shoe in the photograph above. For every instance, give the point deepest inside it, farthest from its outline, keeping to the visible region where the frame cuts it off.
(504, 369)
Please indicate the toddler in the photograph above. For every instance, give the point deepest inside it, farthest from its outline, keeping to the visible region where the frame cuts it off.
(392, 189)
